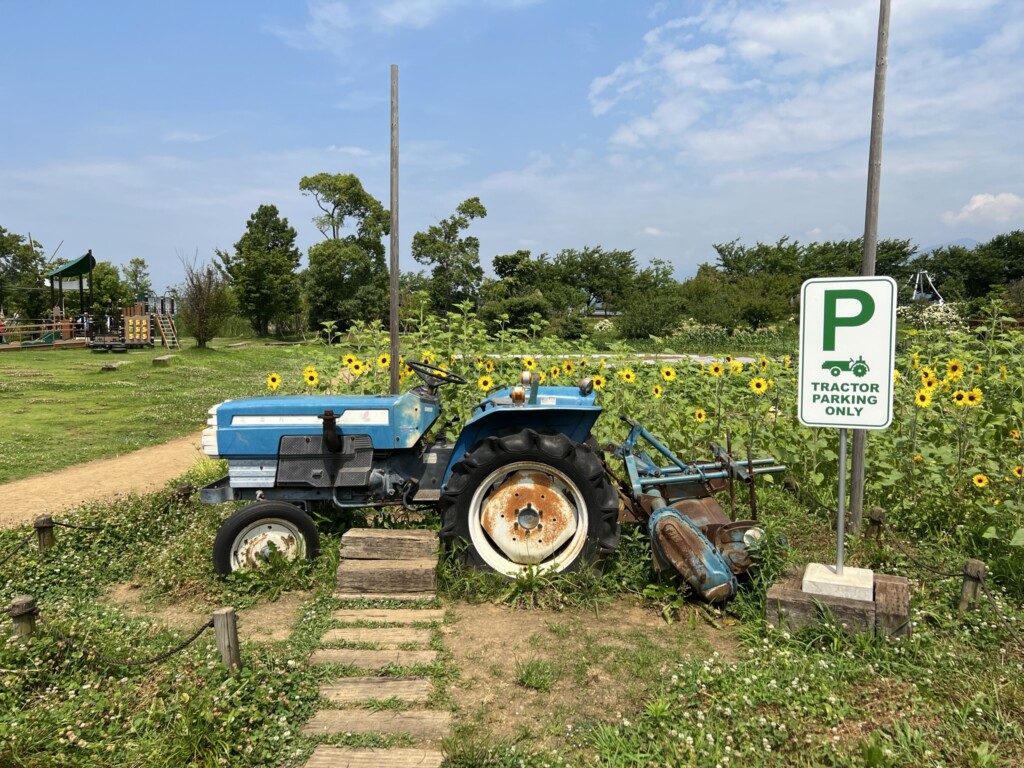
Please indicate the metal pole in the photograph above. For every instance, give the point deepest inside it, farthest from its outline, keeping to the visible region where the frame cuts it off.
(870, 240)
(395, 350)
(841, 515)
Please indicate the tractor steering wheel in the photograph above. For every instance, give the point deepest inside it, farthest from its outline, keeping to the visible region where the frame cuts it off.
(433, 376)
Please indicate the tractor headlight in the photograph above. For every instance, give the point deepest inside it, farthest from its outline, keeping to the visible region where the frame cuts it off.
(752, 537)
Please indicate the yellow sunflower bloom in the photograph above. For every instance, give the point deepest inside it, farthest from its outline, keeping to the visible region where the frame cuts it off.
(979, 480)
(915, 361)
(312, 378)
(699, 415)
(758, 386)
(918, 458)
(485, 383)
(529, 363)
(357, 368)
(923, 398)
(599, 381)
(786, 360)
(954, 370)
(273, 381)
(567, 366)
(735, 367)
(978, 370)
(1002, 373)
(762, 364)
(716, 369)
(428, 357)
(668, 373)
(930, 382)
(628, 376)
(896, 375)
(556, 372)
(349, 359)
(489, 365)
(541, 376)
(1018, 471)
(657, 391)
(974, 397)
(960, 398)
(384, 360)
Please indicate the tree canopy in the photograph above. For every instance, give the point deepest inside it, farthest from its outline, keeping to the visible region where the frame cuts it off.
(454, 258)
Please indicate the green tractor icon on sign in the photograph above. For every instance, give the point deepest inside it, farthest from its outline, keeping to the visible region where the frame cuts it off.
(835, 367)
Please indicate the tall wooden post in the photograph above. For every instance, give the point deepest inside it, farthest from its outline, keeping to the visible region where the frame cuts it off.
(870, 240)
(226, 629)
(23, 612)
(395, 348)
(44, 532)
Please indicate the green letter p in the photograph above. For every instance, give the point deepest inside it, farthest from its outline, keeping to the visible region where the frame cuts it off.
(832, 321)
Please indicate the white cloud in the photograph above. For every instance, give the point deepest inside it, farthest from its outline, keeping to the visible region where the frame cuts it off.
(656, 232)
(187, 137)
(350, 151)
(1001, 208)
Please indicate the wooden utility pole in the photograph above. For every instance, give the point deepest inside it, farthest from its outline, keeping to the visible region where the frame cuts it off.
(395, 349)
(870, 240)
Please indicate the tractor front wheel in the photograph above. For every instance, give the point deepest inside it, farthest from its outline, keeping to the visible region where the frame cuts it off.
(530, 500)
(247, 538)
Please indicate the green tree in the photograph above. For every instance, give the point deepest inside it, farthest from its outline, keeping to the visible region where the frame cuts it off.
(653, 305)
(454, 258)
(22, 267)
(602, 277)
(347, 278)
(136, 277)
(204, 301)
(262, 269)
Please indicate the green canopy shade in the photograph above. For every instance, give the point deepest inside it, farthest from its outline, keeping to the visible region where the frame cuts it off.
(83, 265)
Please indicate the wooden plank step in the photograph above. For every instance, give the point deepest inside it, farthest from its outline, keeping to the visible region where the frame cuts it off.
(325, 756)
(402, 596)
(388, 544)
(375, 659)
(351, 690)
(385, 637)
(387, 576)
(418, 723)
(388, 615)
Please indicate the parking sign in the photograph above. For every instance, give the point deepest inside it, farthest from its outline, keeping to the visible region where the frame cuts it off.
(847, 351)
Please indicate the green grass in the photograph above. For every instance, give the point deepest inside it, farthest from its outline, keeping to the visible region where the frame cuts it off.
(60, 408)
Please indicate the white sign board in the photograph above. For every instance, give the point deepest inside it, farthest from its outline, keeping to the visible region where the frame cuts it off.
(847, 351)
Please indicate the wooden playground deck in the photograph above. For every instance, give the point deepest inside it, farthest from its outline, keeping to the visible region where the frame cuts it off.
(57, 344)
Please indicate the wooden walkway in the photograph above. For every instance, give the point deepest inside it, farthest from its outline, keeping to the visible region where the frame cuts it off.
(377, 565)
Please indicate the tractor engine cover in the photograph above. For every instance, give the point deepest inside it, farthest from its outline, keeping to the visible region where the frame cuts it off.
(304, 461)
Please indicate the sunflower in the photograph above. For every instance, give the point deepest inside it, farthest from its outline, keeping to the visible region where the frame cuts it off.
(273, 381)
(1015, 434)
(786, 360)
(728, 358)
(758, 386)
(311, 377)
(485, 383)
(583, 363)
(763, 363)
(384, 360)
(736, 367)
(895, 375)
(568, 366)
(716, 369)
(1002, 373)
(960, 398)
(1018, 471)
(954, 370)
(923, 398)
(974, 397)
(927, 373)
(428, 357)
(918, 458)
(599, 381)
(358, 368)
(529, 363)
(541, 376)
(489, 365)
(978, 370)
(479, 361)
(979, 480)
(929, 382)
(556, 372)
(628, 376)
(349, 359)
(308, 370)
(699, 415)
(915, 361)
(408, 371)
(668, 373)
(657, 391)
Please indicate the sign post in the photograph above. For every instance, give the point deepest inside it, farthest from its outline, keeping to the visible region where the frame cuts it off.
(847, 352)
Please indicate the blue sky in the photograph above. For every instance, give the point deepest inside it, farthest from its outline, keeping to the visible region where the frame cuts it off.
(154, 129)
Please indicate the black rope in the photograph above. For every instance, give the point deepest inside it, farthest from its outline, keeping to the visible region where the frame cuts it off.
(91, 654)
(999, 613)
(17, 548)
(80, 527)
(941, 574)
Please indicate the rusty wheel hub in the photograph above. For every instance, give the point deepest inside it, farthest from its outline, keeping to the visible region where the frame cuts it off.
(252, 547)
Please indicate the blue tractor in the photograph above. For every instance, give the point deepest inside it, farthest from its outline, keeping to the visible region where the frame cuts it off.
(524, 486)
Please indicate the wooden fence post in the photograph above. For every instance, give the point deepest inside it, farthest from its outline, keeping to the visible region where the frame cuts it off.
(44, 531)
(974, 574)
(227, 638)
(23, 612)
(876, 519)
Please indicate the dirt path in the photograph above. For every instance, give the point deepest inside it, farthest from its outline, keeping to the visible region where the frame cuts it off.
(142, 471)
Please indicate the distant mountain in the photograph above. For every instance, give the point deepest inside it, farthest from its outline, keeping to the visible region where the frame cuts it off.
(965, 242)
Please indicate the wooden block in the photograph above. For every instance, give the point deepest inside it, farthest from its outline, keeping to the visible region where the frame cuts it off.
(350, 690)
(163, 359)
(406, 596)
(418, 723)
(375, 659)
(793, 609)
(387, 576)
(388, 615)
(388, 544)
(384, 637)
(892, 605)
(325, 756)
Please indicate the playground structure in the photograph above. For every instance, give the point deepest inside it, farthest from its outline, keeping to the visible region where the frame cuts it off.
(149, 320)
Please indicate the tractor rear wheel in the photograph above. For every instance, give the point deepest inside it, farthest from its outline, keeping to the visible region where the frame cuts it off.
(530, 500)
(246, 539)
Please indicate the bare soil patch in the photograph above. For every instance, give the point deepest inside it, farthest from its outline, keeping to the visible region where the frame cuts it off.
(604, 665)
(263, 623)
(142, 471)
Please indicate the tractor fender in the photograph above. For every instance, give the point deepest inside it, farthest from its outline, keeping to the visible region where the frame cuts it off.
(575, 422)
